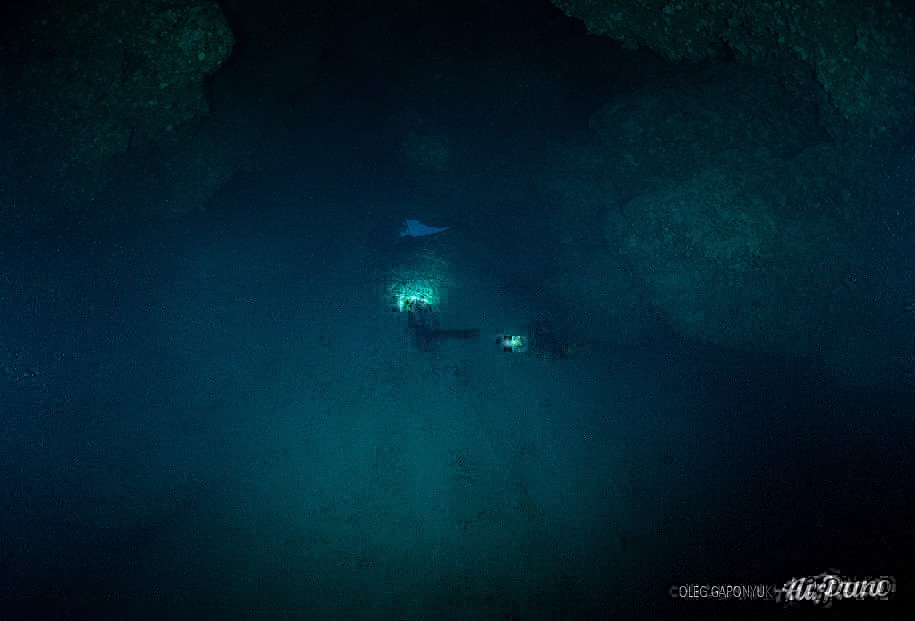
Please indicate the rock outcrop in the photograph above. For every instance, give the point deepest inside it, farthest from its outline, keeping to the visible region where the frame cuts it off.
(92, 80)
(853, 58)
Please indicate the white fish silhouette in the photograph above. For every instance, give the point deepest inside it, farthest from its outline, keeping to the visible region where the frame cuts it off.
(415, 228)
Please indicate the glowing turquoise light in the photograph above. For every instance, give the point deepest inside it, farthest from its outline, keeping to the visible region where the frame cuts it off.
(406, 292)
(426, 277)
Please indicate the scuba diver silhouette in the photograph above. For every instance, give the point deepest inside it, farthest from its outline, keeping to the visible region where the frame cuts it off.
(422, 324)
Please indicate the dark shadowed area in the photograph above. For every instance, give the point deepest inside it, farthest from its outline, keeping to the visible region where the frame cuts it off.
(458, 310)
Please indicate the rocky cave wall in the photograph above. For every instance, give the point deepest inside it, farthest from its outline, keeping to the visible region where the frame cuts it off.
(86, 82)
(736, 199)
(853, 58)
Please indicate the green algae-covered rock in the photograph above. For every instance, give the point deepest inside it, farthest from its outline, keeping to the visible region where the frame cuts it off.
(854, 58)
(98, 78)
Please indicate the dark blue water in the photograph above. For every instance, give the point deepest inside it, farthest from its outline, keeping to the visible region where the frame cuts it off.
(219, 415)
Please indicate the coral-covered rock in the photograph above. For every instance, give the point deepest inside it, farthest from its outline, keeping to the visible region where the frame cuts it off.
(730, 119)
(722, 262)
(95, 78)
(853, 58)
